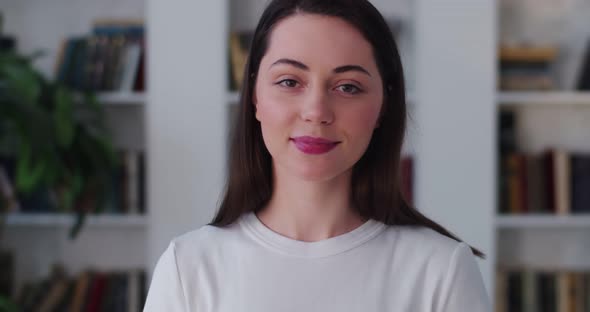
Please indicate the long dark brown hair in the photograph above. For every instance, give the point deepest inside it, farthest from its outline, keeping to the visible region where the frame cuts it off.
(375, 179)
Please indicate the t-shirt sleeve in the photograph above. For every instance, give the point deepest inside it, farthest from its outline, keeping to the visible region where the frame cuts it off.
(463, 288)
(166, 292)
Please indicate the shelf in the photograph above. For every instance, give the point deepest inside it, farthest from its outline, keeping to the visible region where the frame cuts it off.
(543, 221)
(122, 98)
(61, 220)
(544, 98)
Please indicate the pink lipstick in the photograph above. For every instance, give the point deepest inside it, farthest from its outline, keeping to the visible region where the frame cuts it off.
(314, 146)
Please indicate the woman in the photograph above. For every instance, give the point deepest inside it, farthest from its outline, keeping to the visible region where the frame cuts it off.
(313, 218)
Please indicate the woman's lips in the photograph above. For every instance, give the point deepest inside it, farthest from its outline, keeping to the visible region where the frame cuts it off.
(314, 146)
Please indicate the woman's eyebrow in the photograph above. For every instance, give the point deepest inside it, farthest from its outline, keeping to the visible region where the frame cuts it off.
(345, 68)
(291, 62)
(337, 70)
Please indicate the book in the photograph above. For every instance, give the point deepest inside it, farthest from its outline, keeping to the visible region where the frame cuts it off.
(516, 184)
(531, 290)
(526, 67)
(528, 53)
(580, 183)
(547, 292)
(55, 295)
(515, 287)
(110, 58)
(130, 67)
(133, 291)
(500, 302)
(537, 201)
(584, 72)
(507, 137)
(562, 182)
(506, 145)
(549, 163)
(95, 292)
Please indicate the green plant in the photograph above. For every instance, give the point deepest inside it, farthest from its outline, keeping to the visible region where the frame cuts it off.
(57, 137)
(6, 305)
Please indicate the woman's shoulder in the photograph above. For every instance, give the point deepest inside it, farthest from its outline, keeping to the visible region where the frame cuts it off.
(420, 242)
(207, 241)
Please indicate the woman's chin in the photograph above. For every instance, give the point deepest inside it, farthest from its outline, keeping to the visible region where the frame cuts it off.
(317, 173)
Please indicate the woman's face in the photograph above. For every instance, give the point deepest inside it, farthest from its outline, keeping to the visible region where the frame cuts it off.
(318, 96)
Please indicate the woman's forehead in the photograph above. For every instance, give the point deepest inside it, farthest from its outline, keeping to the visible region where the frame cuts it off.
(319, 40)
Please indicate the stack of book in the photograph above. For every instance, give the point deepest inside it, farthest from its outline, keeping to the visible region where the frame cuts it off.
(554, 182)
(526, 68)
(127, 193)
(89, 291)
(545, 291)
(112, 58)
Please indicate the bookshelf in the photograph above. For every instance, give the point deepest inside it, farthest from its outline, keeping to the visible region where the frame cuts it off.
(554, 118)
(107, 242)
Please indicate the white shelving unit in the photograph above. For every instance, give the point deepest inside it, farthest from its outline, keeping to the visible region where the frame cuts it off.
(66, 220)
(540, 222)
(547, 119)
(523, 240)
(122, 98)
(106, 242)
(536, 98)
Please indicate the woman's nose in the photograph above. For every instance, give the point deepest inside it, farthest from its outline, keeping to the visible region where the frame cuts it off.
(317, 109)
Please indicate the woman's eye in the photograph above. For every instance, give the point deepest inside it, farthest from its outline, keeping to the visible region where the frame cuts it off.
(349, 88)
(289, 83)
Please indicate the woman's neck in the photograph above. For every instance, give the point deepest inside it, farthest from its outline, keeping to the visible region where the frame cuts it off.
(309, 210)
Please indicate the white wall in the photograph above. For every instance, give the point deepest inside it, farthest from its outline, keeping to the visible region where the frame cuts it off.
(245, 14)
(455, 139)
(186, 116)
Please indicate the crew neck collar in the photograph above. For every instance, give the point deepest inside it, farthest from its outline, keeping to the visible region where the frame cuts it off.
(323, 248)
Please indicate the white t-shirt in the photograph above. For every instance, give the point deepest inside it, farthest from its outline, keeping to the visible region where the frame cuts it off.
(375, 267)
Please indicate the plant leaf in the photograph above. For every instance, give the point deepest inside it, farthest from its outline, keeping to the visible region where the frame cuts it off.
(23, 80)
(29, 173)
(62, 116)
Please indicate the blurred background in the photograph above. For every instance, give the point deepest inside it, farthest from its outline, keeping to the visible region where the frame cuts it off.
(115, 117)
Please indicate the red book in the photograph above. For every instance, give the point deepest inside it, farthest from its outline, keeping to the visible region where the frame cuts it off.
(96, 291)
(549, 159)
(523, 183)
(139, 84)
